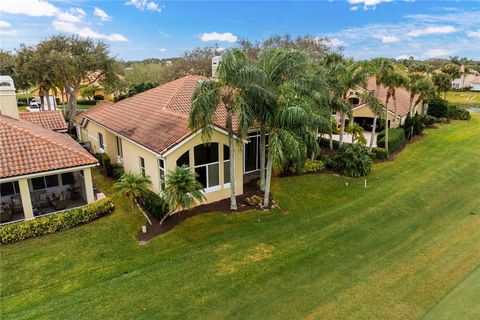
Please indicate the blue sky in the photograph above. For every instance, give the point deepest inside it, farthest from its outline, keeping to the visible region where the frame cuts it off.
(138, 29)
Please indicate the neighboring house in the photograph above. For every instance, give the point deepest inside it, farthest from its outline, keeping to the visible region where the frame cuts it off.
(466, 78)
(148, 134)
(53, 120)
(41, 171)
(364, 116)
(475, 84)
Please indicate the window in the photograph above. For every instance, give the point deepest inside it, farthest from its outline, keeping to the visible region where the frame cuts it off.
(207, 165)
(68, 179)
(9, 188)
(119, 147)
(45, 182)
(184, 160)
(226, 164)
(251, 152)
(161, 168)
(142, 166)
(100, 141)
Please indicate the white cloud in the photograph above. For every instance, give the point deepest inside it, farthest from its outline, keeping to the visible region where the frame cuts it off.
(466, 18)
(215, 36)
(78, 11)
(10, 32)
(34, 8)
(86, 31)
(404, 57)
(334, 42)
(432, 30)
(144, 5)
(162, 49)
(354, 8)
(4, 24)
(101, 14)
(68, 17)
(390, 39)
(433, 53)
(368, 3)
(474, 34)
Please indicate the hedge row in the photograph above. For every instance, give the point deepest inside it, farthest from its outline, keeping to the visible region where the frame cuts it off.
(55, 222)
(396, 139)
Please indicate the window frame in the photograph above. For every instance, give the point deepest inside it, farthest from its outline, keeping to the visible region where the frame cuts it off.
(207, 188)
(161, 173)
(15, 188)
(254, 135)
(119, 146)
(101, 141)
(45, 184)
(226, 184)
(142, 165)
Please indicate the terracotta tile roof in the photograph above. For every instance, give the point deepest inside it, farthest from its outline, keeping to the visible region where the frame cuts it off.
(52, 120)
(27, 148)
(157, 118)
(403, 97)
(476, 80)
(79, 117)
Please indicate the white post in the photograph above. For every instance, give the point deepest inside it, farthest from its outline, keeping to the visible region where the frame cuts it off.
(26, 200)
(87, 178)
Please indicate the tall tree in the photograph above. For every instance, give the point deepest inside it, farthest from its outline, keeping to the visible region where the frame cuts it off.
(225, 92)
(443, 82)
(77, 63)
(377, 108)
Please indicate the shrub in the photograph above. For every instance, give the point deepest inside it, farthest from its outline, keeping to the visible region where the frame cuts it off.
(118, 171)
(428, 120)
(98, 97)
(314, 166)
(87, 102)
(55, 222)
(456, 113)
(437, 107)
(353, 160)
(154, 204)
(325, 143)
(396, 139)
(413, 125)
(380, 153)
(104, 160)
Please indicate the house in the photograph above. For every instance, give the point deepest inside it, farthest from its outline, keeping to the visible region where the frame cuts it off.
(475, 84)
(53, 120)
(364, 116)
(148, 134)
(41, 171)
(466, 79)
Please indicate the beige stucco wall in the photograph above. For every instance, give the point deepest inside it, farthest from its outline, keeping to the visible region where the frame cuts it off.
(367, 113)
(8, 104)
(221, 139)
(132, 153)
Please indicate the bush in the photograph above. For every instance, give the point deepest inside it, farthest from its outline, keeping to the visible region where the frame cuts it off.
(154, 204)
(380, 153)
(104, 161)
(118, 171)
(396, 139)
(325, 143)
(415, 123)
(98, 97)
(428, 120)
(87, 102)
(55, 222)
(314, 166)
(353, 160)
(437, 107)
(456, 113)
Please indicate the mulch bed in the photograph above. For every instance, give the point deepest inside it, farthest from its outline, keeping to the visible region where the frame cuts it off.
(249, 189)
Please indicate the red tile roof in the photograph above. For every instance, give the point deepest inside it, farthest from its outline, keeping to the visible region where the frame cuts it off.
(26, 148)
(403, 97)
(52, 120)
(156, 118)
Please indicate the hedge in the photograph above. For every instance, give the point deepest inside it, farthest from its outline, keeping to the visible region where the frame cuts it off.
(154, 204)
(314, 166)
(380, 153)
(87, 102)
(55, 222)
(396, 139)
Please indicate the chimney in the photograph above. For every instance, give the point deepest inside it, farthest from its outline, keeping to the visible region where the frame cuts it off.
(8, 98)
(215, 62)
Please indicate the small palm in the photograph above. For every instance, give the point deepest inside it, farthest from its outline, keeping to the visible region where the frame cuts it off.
(132, 186)
(182, 189)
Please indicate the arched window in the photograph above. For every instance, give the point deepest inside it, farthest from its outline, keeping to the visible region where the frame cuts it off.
(184, 160)
(354, 101)
(207, 165)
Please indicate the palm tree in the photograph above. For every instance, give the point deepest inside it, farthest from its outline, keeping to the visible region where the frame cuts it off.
(290, 137)
(225, 92)
(182, 190)
(399, 80)
(132, 186)
(357, 133)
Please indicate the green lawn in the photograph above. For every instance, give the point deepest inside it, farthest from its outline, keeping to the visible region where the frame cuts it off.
(405, 247)
(464, 99)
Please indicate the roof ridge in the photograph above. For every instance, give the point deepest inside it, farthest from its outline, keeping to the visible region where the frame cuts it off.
(185, 78)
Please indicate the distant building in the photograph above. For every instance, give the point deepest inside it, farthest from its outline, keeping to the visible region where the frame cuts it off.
(466, 78)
